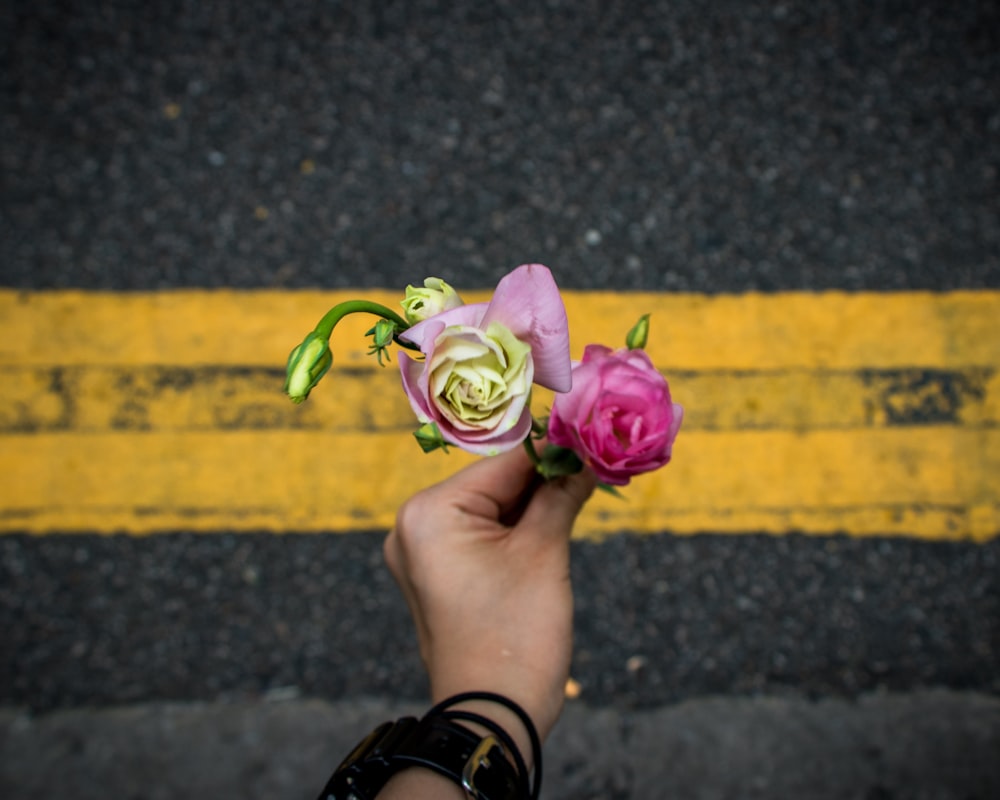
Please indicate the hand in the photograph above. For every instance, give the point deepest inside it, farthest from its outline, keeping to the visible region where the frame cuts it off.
(482, 559)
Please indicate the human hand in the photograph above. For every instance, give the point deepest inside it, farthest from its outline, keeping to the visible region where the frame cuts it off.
(482, 559)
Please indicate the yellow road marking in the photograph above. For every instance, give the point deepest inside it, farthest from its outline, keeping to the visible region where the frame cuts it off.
(865, 413)
(829, 330)
(101, 398)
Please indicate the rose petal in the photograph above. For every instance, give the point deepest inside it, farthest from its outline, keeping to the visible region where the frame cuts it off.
(412, 373)
(675, 424)
(527, 301)
(497, 442)
(595, 352)
(424, 333)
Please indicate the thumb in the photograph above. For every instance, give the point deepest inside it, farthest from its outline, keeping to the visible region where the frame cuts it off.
(501, 481)
(555, 505)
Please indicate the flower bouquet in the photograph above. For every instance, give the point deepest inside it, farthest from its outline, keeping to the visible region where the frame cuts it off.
(468, 370)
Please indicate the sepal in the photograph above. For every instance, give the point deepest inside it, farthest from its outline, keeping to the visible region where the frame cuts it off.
(429, 437)
(554, 462)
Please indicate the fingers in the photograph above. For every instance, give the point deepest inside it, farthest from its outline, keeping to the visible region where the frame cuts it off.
(508, 486)
(503, 479)
(556, 503)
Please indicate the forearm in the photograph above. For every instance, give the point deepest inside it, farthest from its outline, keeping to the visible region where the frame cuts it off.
(483, 563)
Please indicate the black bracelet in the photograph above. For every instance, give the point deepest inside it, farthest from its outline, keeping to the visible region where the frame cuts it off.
(506, 702)
(505, 739)
(437, 742)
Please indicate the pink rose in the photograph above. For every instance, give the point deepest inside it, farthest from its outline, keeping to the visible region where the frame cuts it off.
(618, 418)
(480, 360)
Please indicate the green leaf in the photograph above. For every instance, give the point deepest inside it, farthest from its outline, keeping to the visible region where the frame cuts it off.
(558, 461)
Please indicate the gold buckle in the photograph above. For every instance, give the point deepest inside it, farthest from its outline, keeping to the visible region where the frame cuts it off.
(478, 760)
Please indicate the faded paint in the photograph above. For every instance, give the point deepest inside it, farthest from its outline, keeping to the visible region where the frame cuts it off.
(822, 413)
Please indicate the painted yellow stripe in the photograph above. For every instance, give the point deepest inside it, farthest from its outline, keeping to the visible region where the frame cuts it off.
(867, 414)
(690, 332)
(100, 399)
(931, 481)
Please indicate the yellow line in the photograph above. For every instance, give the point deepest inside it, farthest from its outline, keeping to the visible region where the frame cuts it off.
(931, 482)
(866, 414)
(690, 332)
(164, 398)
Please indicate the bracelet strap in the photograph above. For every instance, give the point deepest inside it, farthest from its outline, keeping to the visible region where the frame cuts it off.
(438, 742)
(506, 702)
(478, 764)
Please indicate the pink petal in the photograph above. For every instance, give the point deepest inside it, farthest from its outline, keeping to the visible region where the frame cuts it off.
(527, 301)
(424, 333)
(498, 443)
(574, 407)
(412, 372)
(595, 352)
(675, 424)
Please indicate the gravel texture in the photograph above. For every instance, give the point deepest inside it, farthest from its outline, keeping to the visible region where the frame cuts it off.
(110, 620)
(926, 746)
(670, 145)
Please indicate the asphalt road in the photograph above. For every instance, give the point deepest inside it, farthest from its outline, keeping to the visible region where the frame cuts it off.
(660, 145)
(657, 146)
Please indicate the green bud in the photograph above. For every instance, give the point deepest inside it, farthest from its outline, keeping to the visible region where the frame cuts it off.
(435, 296)
(429, 437)
(307, 363)
(635, 339)
(382, 335)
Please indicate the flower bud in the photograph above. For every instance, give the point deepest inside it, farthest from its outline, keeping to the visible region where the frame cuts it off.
(307, 363)
(429, 437)
(635, 339)
(435, 296)
(382, 334)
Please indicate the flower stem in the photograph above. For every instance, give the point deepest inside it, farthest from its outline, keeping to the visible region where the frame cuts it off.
(326, 325)
(530, 449)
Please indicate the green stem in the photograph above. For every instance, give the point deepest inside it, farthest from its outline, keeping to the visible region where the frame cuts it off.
(407, 345)
(530, 449)
(338, 312)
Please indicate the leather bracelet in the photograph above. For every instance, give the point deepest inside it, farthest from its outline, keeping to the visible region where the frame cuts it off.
(506, 702)
(478, 764)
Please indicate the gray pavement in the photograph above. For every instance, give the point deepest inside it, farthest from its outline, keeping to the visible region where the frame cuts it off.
(669, 145)
(114, 620)
(934, 745)
(817, 654)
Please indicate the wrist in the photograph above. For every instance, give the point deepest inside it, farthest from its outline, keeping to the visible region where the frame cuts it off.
(541, 696)
(453, 739)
